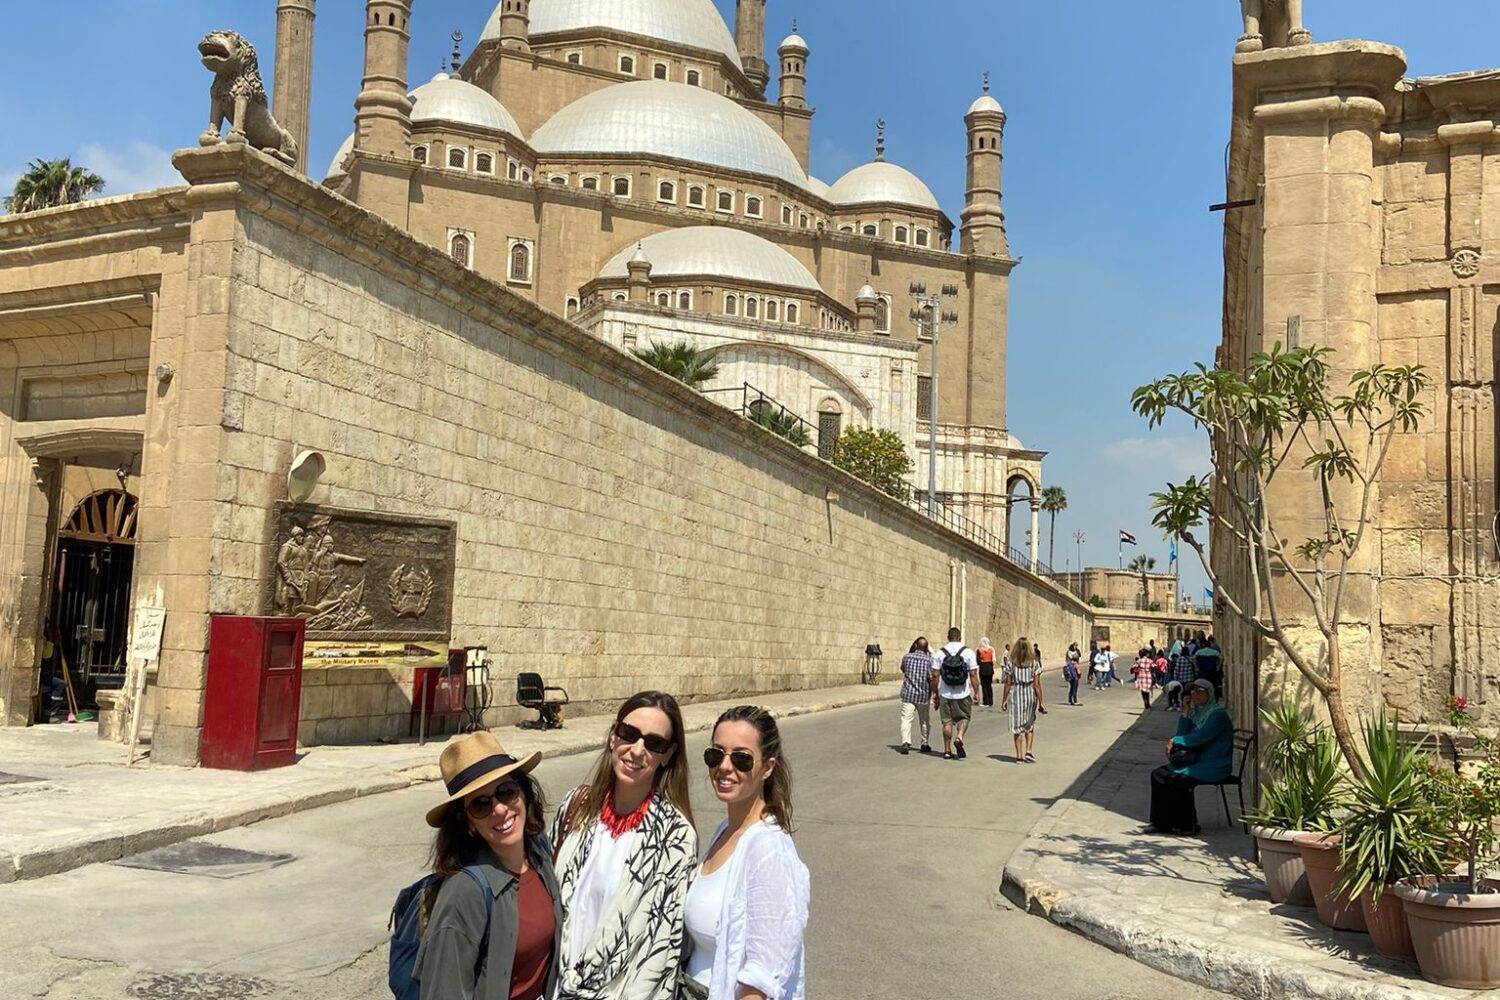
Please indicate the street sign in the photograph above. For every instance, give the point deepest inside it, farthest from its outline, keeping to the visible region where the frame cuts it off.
(146, 643)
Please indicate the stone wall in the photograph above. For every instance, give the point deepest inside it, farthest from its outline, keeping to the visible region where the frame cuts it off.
(616, 530)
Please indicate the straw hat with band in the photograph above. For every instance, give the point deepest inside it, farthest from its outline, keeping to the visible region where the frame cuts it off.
(471, 762)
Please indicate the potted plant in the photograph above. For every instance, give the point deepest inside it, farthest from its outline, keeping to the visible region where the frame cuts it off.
(1390, 830)
(1455, 919)
(1301, 794)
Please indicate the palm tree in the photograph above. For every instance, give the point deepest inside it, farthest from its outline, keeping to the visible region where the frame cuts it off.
(49, 183)
(783, 422)
(1054, 502)
(684, 362)
(1143, 564)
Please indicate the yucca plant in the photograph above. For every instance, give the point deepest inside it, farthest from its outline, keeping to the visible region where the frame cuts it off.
(782, 422)
(1391, 828)
(1306, 787)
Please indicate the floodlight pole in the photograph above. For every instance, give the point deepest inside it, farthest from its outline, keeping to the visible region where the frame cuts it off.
(933, 306)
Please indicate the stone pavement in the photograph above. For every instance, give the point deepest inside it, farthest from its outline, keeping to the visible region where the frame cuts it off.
(67, 799)
(1192, 907)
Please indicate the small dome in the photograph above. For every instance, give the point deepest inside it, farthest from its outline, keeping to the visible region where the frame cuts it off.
(716, 252)
(882, 182)
(694, 23)
(817, 187)
(657, 118)
(986, 103)
(867, 294)
(449, 99)
(794, 42)
(336, 168)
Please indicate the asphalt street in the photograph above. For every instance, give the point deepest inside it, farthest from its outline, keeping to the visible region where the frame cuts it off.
(906, 855)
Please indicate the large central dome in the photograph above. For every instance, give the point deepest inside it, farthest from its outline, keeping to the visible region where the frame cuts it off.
(695, 23)
(653, 117)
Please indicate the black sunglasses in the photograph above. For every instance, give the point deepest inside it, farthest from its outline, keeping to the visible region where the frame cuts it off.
(629, 736)
(743, 760)
(483, 807)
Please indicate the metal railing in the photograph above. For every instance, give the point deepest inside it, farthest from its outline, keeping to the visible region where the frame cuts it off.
(948, 516)
(753, 401)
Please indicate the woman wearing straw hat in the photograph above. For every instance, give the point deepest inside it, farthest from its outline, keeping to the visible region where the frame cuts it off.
(492, 821)
(626, 850)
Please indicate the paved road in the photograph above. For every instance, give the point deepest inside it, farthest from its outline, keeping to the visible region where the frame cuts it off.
(906, 855)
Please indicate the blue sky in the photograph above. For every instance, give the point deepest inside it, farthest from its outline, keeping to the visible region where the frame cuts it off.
(1114, 150)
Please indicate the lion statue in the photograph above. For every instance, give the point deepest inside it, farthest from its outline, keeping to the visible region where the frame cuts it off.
(1272, 24)
(239, 95)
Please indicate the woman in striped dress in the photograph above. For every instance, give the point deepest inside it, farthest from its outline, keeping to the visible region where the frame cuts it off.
(1022, 697)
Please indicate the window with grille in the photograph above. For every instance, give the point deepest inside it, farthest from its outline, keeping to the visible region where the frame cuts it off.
(484, 163)
(726, 201)
(666, 191)
(457, 158)
(460, 248)
(752, 207)
(924, 397)
(693, 78)
(883, 315)
(828, 433)
(627, 65)
(622, 187)
(695, 197)
(520, 262)
(659, 71)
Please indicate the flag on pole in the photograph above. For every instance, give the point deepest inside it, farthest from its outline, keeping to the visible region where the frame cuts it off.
(1126, 538)
(1172, 552)
(1208, 594)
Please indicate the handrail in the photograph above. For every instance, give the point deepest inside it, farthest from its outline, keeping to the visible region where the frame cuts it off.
(745, 409)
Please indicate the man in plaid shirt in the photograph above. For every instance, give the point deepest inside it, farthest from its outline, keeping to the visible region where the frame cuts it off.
(1182, 672)
(916, 693)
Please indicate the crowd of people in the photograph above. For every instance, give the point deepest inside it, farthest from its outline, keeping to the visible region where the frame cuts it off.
(611, 899)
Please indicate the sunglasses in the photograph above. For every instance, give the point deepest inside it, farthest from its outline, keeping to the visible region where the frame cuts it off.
(743, 760)
(629, 736)
(483, 807)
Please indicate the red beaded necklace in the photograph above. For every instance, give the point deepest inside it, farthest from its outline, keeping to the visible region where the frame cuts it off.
(618, 825)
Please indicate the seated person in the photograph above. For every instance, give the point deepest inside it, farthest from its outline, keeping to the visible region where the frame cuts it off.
(1204, 746)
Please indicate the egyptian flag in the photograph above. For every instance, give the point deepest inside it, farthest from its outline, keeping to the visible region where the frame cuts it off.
(1126, 538)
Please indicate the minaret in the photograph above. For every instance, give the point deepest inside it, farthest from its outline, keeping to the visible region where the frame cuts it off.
(750, 39)
(794, 53)
(638, 267)
(382, 111)
(292, 87)
(515, 25)
(983, 219)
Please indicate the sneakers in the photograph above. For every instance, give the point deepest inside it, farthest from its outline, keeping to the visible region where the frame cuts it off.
(958, 748)
(905, 749)
(927, 748)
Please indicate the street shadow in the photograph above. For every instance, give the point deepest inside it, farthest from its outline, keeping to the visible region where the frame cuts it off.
(1302, 924)
(1009, 758)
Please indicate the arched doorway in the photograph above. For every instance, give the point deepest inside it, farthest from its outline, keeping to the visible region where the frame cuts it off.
(1020, 497)
(91, 592)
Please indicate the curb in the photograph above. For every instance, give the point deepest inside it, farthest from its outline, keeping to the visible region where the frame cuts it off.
(122, 844)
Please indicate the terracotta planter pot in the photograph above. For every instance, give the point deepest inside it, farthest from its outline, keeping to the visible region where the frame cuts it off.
(1320, 856)
(1456, 936)
(1386, 922)
(1281, 862)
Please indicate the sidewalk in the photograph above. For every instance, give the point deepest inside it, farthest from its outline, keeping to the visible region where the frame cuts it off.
(1195, 908)
(67, 799)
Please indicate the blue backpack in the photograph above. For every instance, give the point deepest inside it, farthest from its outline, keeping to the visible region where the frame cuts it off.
(406, 937)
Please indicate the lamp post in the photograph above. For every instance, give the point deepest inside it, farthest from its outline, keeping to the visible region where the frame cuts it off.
(1078, 537)
(929, 310)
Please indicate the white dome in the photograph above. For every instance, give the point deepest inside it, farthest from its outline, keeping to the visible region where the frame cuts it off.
(694, 23)
(793, 41)
(653, 117)
(449, 99)
(336, 168)
(866, 294)
(817, 187)
(882, 182)
(986, 103)
(716, 252)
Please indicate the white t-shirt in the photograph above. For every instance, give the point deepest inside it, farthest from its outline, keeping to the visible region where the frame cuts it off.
(701, 914)
(597, 885)
(961, 691)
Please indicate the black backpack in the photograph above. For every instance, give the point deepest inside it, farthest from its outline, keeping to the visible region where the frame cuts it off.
(954, 670)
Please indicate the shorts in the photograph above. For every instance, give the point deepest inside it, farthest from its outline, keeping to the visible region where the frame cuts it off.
(956, 709)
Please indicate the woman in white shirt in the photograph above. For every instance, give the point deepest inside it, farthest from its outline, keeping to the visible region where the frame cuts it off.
(626, 850)
(747, 908)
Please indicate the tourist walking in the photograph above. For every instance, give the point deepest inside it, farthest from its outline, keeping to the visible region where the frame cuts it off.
(1071, 673)
(955, 673)
(1200, 753)
(747, 909)
(1144, 671)
(1093, 659)
(1182, 674)
(1022, 697)
(916, 693)
(985, 656)
(626, 850)
(1104, 668)
(489, 830)
(1208, 663)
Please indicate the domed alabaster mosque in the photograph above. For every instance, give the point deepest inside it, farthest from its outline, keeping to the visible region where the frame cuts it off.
(624, 164)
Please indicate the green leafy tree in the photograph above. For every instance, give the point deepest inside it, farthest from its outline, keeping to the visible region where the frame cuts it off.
(687, 364)
(782, 422)
(1097, 601)
(876, 456)
(1054, 502)
(49, 183)
(1275, 428)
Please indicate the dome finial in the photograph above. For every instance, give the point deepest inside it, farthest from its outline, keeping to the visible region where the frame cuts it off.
(794, 25)
(880, 140)
(458, 37)
(986, 81)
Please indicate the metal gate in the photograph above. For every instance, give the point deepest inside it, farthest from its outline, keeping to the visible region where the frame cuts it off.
(91, 603)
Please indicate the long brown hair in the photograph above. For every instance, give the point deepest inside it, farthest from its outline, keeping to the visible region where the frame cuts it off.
(778, 790)
(671, 779)
(455, 846)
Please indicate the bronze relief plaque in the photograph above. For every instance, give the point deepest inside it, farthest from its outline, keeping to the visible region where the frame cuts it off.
(375, 589)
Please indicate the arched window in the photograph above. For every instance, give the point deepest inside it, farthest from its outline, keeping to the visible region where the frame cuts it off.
(622, 187)
(753, 207)
(575, 58)
(666, 191)
(570, 308)
(883, 315)
(558, 179)
(659, 71)
(802, 220)
(924, 238)
(457, 158)
(901, 234)
(696, 196)
(684, 300)
(513, 170)
(627, 65)
(460, 248)
(693, 79)
(664, 299)
(589, 183)
(726, 201)
(773, 310)
(786, 215)
(620, 297)
(520, 262)
(791, 312)
(484, 163)
(830, 425)
(731, 305)
(419, 153)
(752, 308)
(870, 229)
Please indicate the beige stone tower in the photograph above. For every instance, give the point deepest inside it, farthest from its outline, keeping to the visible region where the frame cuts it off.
(515, 25)
(983, 219)
(750, 38)
(382, 111)
(292, 89)
(794, 53)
